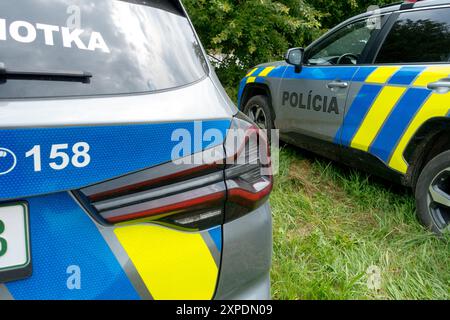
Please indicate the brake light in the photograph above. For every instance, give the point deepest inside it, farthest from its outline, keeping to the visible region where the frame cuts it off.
(248, 171)
(233, 181)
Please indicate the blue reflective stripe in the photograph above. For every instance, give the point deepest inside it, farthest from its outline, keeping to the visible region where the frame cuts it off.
(406, 75)
(114, 151)
(322, 73)
(241, 91)
(62, 235)
(277, 72)
(398, 121)
(362, 73)
(357, 112)
(257, 72)
(216, 235)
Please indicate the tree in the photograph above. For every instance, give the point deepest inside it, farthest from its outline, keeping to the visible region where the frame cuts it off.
(337, 11)
(243, 33)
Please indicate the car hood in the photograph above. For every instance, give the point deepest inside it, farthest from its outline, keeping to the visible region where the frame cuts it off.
(272, 64)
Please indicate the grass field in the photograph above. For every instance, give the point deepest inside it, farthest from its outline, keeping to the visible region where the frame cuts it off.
(332, 223)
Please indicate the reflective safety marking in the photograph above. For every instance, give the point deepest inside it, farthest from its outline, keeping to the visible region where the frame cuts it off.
(241, 91)
(382, 74)
(251, 72)
(437, 105)
(251, 79)
(357, 113)
(362, 74)
(378, 113)
(406, 75)
(216, 235)
(64, 238)
(398, 122)
(343, 73)
(122, 257)
(432, 74)
(132, 148)
(172, 264)
(266, 71)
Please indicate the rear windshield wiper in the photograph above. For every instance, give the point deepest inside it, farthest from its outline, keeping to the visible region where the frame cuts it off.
(70, 76)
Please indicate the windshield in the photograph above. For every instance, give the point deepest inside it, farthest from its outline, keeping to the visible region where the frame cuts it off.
(127, 46)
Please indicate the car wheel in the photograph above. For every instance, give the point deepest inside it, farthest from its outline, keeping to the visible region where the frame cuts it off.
(433, 194)
(259, 111)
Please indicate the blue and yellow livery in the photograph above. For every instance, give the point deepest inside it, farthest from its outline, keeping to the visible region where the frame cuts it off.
(374, 92)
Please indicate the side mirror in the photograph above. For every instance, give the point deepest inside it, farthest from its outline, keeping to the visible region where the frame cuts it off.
(295, 57)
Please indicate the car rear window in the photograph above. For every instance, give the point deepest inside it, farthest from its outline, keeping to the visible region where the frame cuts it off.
(418, 36)
(127, 46)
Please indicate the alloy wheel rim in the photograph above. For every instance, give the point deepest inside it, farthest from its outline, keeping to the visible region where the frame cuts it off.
(258, 116)
(439, 200)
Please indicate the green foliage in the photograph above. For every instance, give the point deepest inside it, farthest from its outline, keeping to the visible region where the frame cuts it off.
(245, 33)
(337, 11)
(332, 223)
(252, 30)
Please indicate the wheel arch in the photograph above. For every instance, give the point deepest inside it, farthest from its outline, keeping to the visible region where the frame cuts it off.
(431, 139)
(254, 89)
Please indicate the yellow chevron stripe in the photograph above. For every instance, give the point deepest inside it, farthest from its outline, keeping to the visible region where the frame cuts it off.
(173, 264)
(382, 74)
(432, 74)
(251, 79)
(266, 71)
(251, 72)
(376, 116)
(438, 105)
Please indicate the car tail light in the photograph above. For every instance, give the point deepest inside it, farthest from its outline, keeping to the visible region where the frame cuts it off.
(248, 173)
(197, 192)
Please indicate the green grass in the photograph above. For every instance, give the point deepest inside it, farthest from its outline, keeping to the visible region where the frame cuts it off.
(332, 223)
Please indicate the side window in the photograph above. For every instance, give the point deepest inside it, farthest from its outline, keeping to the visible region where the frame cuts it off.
(345, 46)
(419, 36)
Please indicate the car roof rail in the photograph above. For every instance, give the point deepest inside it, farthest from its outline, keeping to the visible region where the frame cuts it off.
(408, 4)
(392, 4)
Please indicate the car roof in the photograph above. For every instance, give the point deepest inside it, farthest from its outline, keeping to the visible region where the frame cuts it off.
(388, 9)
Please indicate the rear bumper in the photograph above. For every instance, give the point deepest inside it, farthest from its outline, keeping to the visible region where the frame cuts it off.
(246, 257)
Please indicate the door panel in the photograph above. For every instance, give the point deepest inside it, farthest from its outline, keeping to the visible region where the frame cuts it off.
(309, 106)
(330, 65)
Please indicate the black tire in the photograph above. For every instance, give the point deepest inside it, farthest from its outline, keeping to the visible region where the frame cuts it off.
(432, 193)
(262, 104)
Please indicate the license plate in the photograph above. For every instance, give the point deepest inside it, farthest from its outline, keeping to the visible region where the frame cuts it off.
(15, 258)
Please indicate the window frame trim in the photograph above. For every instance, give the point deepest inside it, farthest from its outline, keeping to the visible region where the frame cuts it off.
(365, 54)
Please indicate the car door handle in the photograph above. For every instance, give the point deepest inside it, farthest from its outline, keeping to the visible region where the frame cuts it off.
(441, 86)
(337, 85)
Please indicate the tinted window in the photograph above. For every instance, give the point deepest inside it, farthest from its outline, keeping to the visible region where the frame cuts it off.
(420, 36)
(350, 40)
(127, 46)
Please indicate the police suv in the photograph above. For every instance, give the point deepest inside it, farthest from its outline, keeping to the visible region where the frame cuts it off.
(118, 177)
(374, 92)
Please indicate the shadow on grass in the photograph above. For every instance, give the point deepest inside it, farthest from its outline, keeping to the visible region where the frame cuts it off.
(347, 172)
